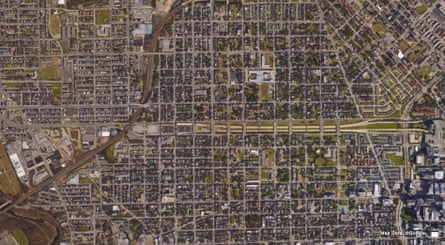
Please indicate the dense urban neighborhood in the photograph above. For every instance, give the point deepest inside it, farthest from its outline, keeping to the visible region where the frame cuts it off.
(222, 122)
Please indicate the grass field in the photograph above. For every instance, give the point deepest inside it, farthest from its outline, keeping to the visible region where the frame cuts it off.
(233, 12)
(421, 9)
(425, 70)
(84, 180)
(264, 92)
(55, 24)
(240, 155)
(265, 174)
(268, 60)
(85, 228)
(389, 125)
(270, 154)
(380, 28)
(9, 184)
(50, 72)
(396, 114)
(102, 16)
(12, 85)
(109, 154)
(57, 90)
(267, 45)
(20, 237)
(395, 160)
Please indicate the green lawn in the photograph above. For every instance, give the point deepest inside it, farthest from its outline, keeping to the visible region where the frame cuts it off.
(421, 9)
(395, 160)
(85, 228)
(84, 181)
(55, 24)
(403, 45)
(57, 90)
(265, 174)
(264, 92)
(267, 45)
(20, 237)
(12, 85)
(235, 193)
(270, 154)
(240, 155)
(102, 16)
(109, 154)
(50, 73)
(380, 28)
(9, 184)
(389, 125)
(268, 59)
(425, 70)
(233, 12)
(396, 114)
(392, 125)
(320, 161)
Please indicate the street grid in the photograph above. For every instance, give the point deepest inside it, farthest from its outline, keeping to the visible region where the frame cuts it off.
(235, 123)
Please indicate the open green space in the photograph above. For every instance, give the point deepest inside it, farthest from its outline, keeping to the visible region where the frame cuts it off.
(383, 125)
(425, 70)
(268, 60)
(20, 237)
(49, 73)
(270, 155)
(394, 159)
(233, 12)
(264, 92)
(55, 24)
(396, 113)
(240, 155)
(267, 44)
(84, 180)
(421, 9)
(57, 90)
(265, 174)
(85, 228)
(109, 154)
(379, 27)
(102, 16)
(235, 193)
(9, 184)
(12, 85)
(403, 45)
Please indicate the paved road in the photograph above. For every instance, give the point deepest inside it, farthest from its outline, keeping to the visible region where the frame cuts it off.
(84, 158)
(77, 163)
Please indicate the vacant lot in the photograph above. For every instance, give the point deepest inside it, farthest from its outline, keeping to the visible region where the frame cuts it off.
(102, 16)
(395, 159)
(380, 28)
(421, 9)
(264, 92)
(57, 90)
(9, 184)
(425, 70)
(55, 24)
(50, 72)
